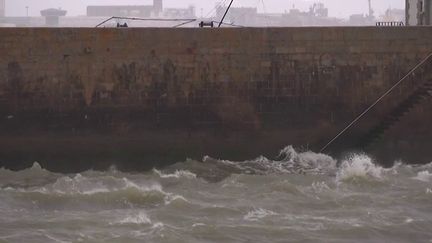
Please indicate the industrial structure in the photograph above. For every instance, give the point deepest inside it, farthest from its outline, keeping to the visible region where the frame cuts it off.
(52, 16)
(127, 10)
(316, 15)
(418, 12)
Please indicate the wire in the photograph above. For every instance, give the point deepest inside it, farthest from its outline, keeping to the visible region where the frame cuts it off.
(216, 8)
(225, 14)
(148, 19)
(239, 17)
(185, 23)
(230, 24)
(376, 102)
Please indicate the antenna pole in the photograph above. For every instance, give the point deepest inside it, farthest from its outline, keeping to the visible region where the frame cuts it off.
(226, 12)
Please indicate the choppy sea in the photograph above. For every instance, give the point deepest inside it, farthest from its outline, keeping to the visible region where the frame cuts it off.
(301, 197)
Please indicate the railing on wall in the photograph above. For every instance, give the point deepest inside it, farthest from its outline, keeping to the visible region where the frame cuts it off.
(390, 24)
(425, 61)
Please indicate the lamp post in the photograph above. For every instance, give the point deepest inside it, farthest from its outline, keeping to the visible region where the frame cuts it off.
(27, 10)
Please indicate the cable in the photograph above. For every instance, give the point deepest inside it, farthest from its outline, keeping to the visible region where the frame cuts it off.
(376, 102)
(185, 23)
(216, 7)
(147, 19)
(225, 14)
(224, 23)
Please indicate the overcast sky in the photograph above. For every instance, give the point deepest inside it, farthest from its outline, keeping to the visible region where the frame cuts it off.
(337, 8)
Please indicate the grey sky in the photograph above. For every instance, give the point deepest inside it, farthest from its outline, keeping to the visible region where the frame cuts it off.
(338, 8)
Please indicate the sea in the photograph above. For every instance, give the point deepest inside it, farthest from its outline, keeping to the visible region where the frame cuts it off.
(298, 197)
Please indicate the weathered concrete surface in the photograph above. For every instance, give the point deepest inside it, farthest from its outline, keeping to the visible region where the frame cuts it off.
(81, 98)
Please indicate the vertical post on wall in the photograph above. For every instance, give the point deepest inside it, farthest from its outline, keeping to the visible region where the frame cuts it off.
(427, 10)
(407, 8)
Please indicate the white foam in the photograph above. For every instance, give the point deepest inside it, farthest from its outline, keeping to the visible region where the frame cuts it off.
(82, 185)
(258, 214)
(320, 187)
(359, 166)
(177, 174)
(158, 225)
(198, 225)
(170, 198)
(424, 176)
(56, 240)
(290, 162)
(409, 220)
(140, 218)
(36, 166)
(308, 159)
(428, 191)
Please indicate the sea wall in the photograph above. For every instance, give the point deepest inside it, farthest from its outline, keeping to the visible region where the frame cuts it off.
(74, 99)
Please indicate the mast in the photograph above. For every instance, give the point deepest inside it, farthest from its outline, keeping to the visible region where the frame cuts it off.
(226, 12)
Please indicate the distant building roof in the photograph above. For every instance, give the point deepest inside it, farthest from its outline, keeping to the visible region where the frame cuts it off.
(119, 10)
(53, 12)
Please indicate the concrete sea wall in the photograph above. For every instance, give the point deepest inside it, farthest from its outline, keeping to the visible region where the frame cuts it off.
(75, 99)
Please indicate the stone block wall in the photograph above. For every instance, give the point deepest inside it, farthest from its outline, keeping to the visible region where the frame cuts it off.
(178, 93)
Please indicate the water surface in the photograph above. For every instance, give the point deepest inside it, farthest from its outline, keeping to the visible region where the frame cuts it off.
(303, 197)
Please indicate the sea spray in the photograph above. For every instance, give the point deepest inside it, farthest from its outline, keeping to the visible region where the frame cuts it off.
(424, 176)
(358, 167)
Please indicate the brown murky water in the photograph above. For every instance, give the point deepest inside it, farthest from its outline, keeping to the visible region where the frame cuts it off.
(304, 197)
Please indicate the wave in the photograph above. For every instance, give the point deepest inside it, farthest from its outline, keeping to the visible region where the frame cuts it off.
(359, 167)
(257, 214)
(32, 176)
(290, 162)
(138, 218)
(177, 174)
(99, 190)
(424, 176)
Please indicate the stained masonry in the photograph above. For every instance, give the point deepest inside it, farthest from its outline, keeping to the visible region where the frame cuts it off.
(87, 98)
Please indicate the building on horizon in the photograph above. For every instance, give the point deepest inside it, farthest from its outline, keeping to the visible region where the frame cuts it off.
(317, 15)
(186, 13)
(2, 8)
(52, 16)
(143, 11)
(418, 12)
(393, 15)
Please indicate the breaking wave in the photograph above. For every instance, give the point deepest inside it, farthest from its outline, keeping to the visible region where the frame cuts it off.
(258, 214)
(177, 174)
(139, 218)
(424, 176)
(103, 190)
(359, 167)
(290, 162)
